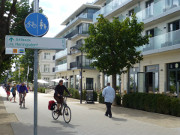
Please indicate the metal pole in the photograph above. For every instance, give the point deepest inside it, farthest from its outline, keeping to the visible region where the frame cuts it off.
(178, 89)
(81, 75)
(36, 10)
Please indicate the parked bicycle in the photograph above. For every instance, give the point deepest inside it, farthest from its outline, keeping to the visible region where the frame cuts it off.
(66, 111)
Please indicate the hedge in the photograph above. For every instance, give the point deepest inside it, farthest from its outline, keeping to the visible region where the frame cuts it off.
(158, 103)
(76, 95)
(41, 89)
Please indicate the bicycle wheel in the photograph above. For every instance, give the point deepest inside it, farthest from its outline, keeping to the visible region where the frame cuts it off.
(55, 114)
(24, 102)
(67, 114)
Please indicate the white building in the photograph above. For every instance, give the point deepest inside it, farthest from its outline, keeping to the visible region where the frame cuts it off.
(47, 65)
(160, 68)
(70, 60)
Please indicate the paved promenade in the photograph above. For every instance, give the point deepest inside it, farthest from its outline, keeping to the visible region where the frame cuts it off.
(87, 119)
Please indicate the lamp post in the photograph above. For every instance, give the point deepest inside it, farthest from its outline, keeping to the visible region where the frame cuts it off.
(81, 67)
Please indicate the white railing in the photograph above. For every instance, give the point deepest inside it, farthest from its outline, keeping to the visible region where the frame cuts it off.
(115, 4)
(61, 54)
(60, 68)
(156, 9)
(170, 39)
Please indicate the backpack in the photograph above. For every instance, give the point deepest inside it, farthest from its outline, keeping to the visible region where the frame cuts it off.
(51, 105)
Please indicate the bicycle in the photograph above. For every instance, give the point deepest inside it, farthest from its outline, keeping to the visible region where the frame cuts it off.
(66, 111)
(22, 101)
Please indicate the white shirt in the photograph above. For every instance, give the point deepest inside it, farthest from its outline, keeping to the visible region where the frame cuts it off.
(108, 94)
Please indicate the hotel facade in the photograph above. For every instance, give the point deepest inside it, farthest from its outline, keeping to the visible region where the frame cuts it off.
(159, 71)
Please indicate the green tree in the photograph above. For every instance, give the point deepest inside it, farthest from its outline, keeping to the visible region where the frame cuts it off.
(12, 15)
(113, 45)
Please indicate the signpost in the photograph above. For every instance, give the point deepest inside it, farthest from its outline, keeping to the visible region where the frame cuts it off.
(34, 42)
(36, 24)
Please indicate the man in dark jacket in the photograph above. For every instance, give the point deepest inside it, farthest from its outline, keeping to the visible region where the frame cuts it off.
(58, 95)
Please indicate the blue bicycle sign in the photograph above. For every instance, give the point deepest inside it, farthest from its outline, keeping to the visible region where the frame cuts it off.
(36, 24)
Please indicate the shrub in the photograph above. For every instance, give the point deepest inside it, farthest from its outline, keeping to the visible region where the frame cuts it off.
(118, 99)
(101, 98)
(76, 94)
(153, 103)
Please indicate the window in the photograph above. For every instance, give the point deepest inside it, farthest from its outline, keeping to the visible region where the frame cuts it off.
(47, 56)
(173, 26)
(150, 32)
(77, 81)
(53, 69)
(46, 68)
(131, 12)
(89, 83)
(46, 79)
(149, 8)
(54, 57)
(106, 80)
(71, 81)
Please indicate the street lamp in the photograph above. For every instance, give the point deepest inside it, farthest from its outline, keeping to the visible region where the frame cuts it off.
(81, 66)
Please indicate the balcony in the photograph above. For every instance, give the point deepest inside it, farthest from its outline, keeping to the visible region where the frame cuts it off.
(109, 8)
(161, 43)
(75, 49)
(77, 65)
(60, 68)
(75, 33)
(157, 10)
(61, 54)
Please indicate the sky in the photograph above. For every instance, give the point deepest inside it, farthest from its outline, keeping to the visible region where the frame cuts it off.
(57, 11)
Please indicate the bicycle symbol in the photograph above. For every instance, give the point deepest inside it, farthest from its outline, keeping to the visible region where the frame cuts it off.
(32, 24)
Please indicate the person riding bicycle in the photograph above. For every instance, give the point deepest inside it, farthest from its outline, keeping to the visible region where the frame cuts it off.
(58, 95)
(22, 89)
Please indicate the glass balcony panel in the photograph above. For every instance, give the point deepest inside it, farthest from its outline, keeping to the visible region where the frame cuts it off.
(61, 54)
(108, 8)
(159, 7)
(161, 41)
(62, 67)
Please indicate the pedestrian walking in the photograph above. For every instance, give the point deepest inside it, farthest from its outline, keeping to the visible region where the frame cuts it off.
(109, 95)
(13, 90)
(7, 88)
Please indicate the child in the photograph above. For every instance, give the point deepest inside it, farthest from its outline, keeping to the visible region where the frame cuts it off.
(13, 90)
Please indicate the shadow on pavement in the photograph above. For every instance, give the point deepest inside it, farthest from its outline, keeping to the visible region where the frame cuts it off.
(118, 119)
(65, 124)
(28, 129)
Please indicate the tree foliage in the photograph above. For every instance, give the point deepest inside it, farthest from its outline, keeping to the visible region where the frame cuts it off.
(12, 17)
(113, 45)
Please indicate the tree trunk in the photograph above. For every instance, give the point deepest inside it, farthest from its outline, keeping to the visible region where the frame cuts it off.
(114, 81)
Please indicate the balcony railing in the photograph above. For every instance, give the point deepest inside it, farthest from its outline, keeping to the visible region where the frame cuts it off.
(60, 68)
(115, 4)
(75, 32)
(156, 9)
(61, 54)
(82, 16)
(85, 65)
(170, 39)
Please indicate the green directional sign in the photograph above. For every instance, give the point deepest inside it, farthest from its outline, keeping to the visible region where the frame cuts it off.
(34, 42)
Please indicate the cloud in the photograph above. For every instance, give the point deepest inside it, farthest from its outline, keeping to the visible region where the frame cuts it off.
(57, 11)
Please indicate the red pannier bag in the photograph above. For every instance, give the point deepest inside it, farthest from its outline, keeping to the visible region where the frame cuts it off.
(51, 105)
